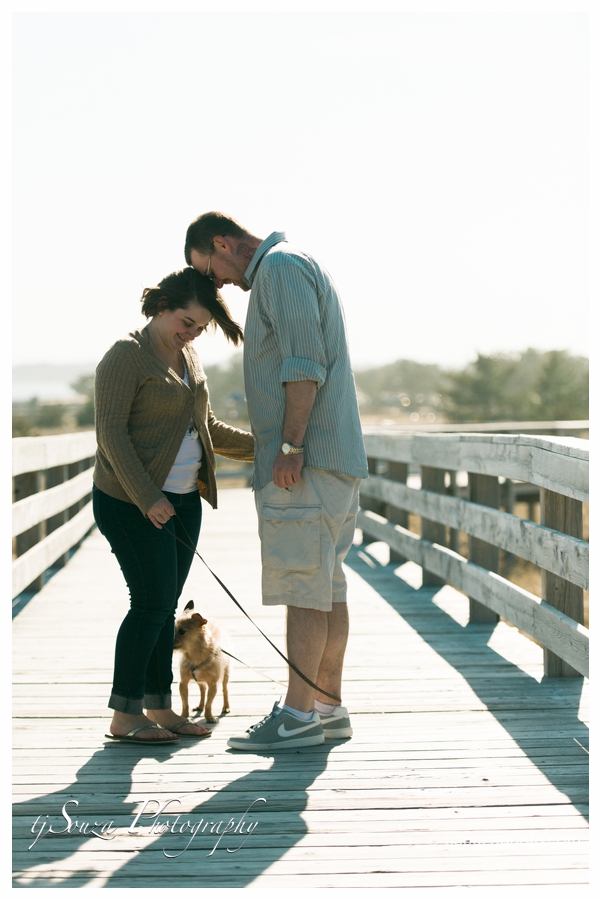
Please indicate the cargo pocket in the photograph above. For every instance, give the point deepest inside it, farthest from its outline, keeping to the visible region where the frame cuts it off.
(290, 538)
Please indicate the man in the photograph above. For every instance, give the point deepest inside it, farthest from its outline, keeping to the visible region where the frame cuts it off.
(309, 460)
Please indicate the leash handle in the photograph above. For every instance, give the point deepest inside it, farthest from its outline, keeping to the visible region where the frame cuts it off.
(241, 608)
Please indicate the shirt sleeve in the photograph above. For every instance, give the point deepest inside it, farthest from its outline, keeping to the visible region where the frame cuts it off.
(292, 305)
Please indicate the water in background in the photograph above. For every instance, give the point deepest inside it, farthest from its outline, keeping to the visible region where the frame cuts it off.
(47, 381)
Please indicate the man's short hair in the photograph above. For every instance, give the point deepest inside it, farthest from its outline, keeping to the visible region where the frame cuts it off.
(204, 230)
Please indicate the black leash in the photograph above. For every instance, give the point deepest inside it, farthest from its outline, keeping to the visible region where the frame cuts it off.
(241, 608)
(242, 663)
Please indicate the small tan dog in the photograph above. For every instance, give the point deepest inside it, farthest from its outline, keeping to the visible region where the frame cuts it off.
(203, 660)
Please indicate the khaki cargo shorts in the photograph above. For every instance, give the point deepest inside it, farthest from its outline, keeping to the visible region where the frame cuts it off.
(306, 531)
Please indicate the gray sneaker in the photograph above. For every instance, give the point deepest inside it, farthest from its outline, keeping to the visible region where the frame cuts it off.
(280, 731)
(337, 724)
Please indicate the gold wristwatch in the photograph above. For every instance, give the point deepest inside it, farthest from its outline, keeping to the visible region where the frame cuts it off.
(289, 449)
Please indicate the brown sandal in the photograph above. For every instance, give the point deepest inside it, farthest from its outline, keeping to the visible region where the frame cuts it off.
(176, 730)
(130, 737)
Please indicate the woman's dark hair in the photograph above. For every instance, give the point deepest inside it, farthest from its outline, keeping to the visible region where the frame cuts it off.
(180, 289)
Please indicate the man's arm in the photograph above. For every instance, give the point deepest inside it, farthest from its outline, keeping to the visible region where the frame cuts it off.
(300, 396)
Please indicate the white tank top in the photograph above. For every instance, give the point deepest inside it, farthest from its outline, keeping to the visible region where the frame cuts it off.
(184, 472)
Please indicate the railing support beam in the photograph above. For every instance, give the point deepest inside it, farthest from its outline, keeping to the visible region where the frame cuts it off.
(565, 515)
(483, 489)
(397, 471)
(433, 480)
(24, 486)
(376, 506)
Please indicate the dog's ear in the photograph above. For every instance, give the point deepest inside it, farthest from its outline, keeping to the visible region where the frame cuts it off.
(201, 621)
(189, 605)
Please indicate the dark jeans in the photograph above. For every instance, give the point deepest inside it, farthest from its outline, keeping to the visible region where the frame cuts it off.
(155, 566)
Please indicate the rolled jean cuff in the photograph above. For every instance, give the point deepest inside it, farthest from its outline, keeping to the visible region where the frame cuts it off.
(126, 705)
(157, 701)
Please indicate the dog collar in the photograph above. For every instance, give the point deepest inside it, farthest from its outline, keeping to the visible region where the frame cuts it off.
(207, 660)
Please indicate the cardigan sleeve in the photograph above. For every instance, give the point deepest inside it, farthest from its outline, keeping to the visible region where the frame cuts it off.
(117, 382)
(233, 443)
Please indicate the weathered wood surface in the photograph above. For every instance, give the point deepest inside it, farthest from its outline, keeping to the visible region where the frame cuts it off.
(566, 556)
(556, 631)
(466, 768)
(564, 514)
(38, 507)
(31, 454)
(432, 480)
(577, 428)
(42, 555)
(483, 490)
(558, 464)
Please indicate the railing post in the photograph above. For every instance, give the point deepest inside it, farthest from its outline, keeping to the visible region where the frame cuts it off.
(24, 486)
(453, 533)
(377, 506)
(397, 471)
(433, 480)
(483, 489)
(58, 475)
(565, 515)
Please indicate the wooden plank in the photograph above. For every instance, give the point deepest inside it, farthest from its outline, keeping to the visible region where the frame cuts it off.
(31, 454)
(41, 556)
(562, 554)
(398, 473)
(24, 486)
(376, 506)
(547, 428)
(378, 810)
(433, 481)
(553, 629)
(559, 464)
(38, 507)
(483, 491)
(563, 514)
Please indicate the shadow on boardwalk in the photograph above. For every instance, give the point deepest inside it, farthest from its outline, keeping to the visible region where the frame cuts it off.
(102, 787)
(552, 703)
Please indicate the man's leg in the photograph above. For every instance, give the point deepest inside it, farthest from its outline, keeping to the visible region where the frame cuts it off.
(306, 641)
(305, 533)
(329, 675)
(316, 643)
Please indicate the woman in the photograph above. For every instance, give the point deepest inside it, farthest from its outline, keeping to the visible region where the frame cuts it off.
(156, 435)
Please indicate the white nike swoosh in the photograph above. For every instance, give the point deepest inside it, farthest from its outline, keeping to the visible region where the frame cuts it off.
(284, 732)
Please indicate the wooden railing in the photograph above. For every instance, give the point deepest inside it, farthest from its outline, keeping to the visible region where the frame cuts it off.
(52, 481)
(52, 509)
(556, 466)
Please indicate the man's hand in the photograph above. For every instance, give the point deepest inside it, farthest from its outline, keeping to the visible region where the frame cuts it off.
(160, 512)
(287, 469)
(300, 396)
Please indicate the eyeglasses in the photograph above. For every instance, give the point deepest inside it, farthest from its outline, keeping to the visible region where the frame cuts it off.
(208, 272)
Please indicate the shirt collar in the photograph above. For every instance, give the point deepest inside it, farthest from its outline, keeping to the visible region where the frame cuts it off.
(276, 237)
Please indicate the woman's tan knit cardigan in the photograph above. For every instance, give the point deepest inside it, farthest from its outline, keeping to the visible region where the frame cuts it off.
(143, 410)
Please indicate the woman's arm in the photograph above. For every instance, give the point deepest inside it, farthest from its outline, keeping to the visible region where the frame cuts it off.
(117, 383)
(233, 443)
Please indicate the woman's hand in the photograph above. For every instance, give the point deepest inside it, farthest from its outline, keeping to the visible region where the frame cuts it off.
(160, 512)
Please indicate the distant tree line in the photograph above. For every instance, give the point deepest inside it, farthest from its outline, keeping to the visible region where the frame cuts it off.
(34, 417)
(518, 387)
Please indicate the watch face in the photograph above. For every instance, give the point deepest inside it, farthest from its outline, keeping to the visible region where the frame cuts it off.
(286, 448)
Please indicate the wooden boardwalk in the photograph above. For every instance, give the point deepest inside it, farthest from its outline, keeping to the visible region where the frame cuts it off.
(466, 767)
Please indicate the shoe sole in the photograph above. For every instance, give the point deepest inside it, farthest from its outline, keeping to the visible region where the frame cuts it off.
(337, 733)
(277, 745)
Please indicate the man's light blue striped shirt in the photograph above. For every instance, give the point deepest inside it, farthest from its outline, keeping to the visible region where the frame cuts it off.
(295, 331)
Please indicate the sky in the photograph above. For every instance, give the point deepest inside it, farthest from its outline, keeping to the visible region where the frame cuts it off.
(435, 162)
